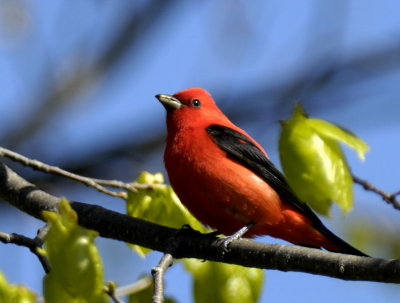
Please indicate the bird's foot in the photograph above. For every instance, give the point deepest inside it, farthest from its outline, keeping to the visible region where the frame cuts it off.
(226, 241)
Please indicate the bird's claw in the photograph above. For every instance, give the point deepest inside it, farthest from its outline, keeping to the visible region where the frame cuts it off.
(226, 241)
(223, 244)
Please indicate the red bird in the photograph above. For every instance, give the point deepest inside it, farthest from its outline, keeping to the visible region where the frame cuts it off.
(225, 179)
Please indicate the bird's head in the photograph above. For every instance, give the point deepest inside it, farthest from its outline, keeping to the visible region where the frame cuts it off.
(193, 107)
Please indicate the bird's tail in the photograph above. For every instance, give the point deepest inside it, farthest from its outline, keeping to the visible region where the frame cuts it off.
(337, 244)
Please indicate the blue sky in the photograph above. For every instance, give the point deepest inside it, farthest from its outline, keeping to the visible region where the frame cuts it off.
(230, 48)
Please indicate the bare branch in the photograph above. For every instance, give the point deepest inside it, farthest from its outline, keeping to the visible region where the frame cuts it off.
(158, 276)
(115, 293)
(27, 242)
(135, 287)
(92, 182)
(389, 198)
(114, 298)
(58, 171)
(110, 290)
(41, 234)
(190, 244)
(133, 186)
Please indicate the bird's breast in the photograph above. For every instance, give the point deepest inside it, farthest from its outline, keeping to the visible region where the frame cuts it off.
(216, 189)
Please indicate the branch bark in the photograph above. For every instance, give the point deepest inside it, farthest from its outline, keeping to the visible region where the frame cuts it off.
(190, 244)
(158, 273)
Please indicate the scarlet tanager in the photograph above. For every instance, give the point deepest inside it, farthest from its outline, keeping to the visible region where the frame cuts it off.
(225, 179)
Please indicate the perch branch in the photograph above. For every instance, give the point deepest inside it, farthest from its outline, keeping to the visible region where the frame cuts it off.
(189, 244)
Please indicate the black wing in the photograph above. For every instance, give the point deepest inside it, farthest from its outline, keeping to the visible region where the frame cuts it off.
(242, 149)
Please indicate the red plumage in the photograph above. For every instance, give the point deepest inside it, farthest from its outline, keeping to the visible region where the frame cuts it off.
(217, 171)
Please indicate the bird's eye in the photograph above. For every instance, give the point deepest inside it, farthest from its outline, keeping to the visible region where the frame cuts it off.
(196, 102)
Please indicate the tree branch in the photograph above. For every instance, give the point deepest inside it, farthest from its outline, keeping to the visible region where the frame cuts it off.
(110, 290)
(158, 276)
(135, 287)
(58, 171)
(32, 244)
(389, 198)
(190, 244)
(92, 182)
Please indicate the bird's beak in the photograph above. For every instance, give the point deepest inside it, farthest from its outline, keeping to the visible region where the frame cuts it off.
(169, 102)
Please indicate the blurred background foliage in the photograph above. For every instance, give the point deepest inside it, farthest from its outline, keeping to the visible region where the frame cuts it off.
(77, 85)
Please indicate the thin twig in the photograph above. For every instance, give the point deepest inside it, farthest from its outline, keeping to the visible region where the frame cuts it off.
(109, 289)
(158, 275)
(114, 298)
(58, 171)
(130, 289)
(389, 198)
(134, 186)
(27, 242)
(41, 234)
(135, 287)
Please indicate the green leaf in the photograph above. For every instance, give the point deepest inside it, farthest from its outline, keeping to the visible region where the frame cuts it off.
(314, 163)
(339, 134)
(224, 283)
(76, 269)
(10, 293)
(159, 204)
